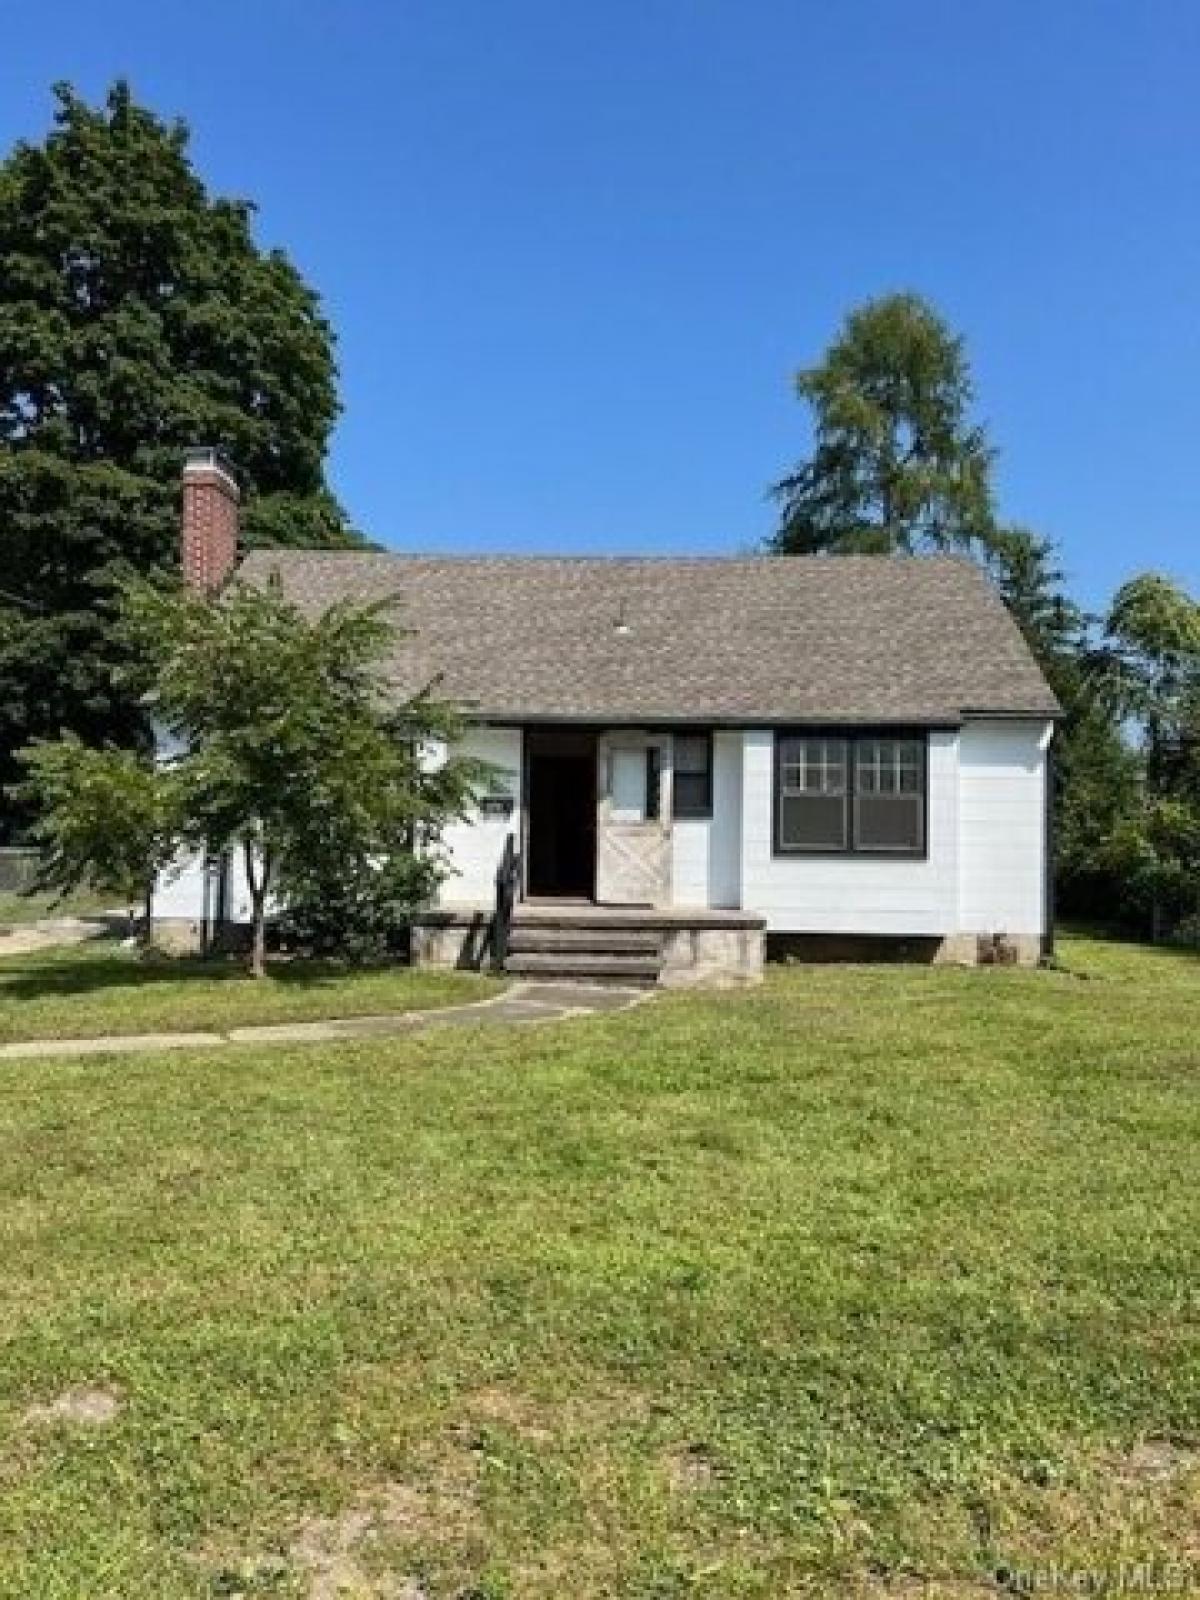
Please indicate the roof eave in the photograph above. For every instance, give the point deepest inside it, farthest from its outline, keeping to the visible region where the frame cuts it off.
(509, 717)
(1026, 714)
(683, 719)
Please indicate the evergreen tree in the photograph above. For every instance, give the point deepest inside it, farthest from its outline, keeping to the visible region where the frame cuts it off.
(897, 464)
(137, 316)
(1025, 569)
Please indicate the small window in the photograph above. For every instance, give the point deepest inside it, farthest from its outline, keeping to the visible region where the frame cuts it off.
(692, 777)
(653, 783)
(628, 783)
(812, 812)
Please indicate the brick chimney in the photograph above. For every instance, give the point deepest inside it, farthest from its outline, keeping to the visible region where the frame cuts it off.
(210, 521)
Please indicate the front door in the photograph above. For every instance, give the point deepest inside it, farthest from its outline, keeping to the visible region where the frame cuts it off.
(633, 835)
(560, 778)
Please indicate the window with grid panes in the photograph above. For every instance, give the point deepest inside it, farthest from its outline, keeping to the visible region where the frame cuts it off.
(852, 792)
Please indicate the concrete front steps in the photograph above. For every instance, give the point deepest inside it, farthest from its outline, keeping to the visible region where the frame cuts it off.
(560, 945)
(634, 946)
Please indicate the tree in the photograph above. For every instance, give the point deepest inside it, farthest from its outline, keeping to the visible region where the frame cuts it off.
(293, 755)
(1154, 628)
(1095, 770)
(138, 316)
(897, 465)
(1153, 632)
(104, 817)
(1024, 568)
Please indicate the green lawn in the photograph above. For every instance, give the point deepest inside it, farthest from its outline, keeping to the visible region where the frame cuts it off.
(100, 988)
(17, 910)
(870, 1282)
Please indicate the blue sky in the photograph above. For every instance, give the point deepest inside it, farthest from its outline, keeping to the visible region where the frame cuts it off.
(574, 251)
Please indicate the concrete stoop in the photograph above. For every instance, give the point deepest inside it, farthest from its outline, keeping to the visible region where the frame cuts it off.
(629, 945)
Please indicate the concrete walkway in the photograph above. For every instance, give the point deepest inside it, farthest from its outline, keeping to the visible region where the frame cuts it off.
(26, 939)
(523, 1003)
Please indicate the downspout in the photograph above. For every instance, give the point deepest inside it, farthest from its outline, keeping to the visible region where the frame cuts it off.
(1048, 853)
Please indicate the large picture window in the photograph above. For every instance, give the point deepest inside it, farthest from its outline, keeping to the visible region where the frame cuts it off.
(851, 792)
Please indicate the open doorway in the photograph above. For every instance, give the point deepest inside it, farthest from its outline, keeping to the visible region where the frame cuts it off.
(560, 777)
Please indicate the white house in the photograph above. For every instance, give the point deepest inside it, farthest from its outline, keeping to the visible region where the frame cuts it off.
(697, 758)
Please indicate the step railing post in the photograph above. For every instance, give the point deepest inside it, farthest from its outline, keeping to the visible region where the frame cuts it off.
(508, 880)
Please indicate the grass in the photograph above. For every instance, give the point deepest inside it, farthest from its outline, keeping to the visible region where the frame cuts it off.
(70, 992)
(871, 1282)
(18, 910)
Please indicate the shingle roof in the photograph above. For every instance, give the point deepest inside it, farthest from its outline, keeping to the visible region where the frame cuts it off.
(757, 640)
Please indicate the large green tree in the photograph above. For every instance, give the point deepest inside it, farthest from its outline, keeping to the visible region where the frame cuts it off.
(138, 316)
(897, 462)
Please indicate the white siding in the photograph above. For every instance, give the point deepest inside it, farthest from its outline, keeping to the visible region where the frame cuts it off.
(706, 864)
(475, 846)
(1002, 769)
(179, 892)
(689, 861)
(725, 837)
(848, 894)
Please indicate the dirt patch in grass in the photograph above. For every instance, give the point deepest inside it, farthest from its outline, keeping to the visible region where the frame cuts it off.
(359, 1552)
(506, 1408)
(543, 1421)
(1156, 1463)
(690, 1469)
(330, 1553)
(87, 1406)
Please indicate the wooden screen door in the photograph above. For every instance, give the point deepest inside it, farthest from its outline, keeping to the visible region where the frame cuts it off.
(633, 821)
